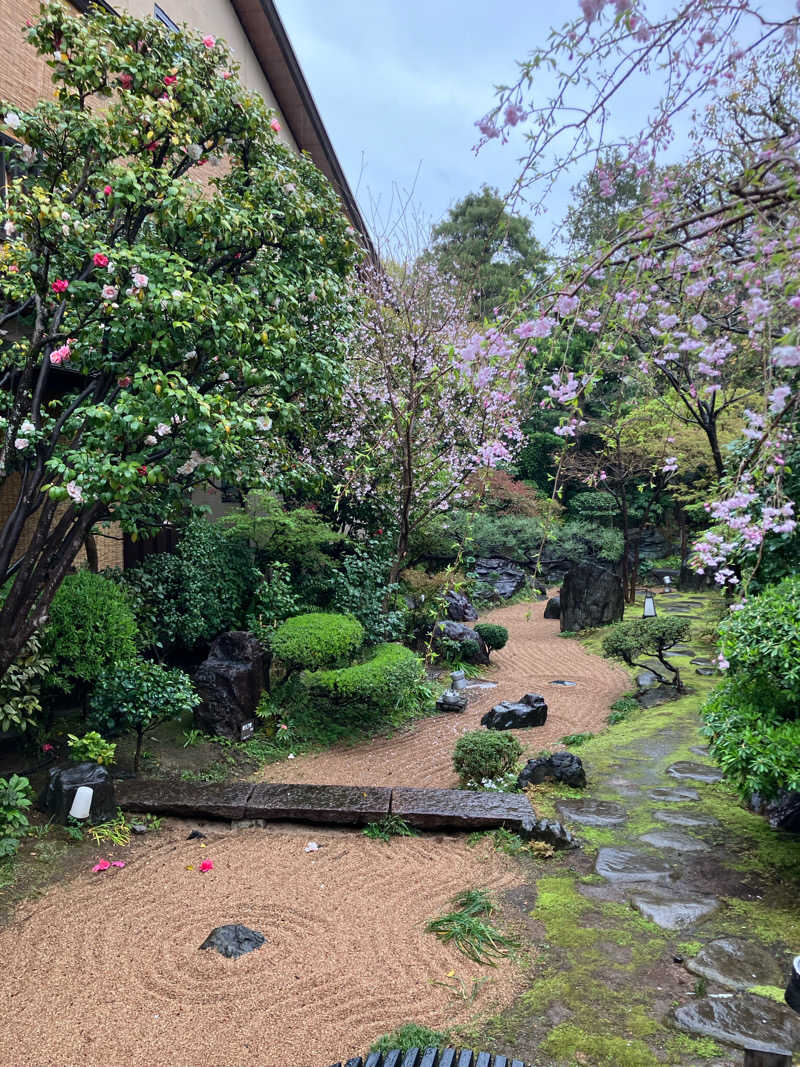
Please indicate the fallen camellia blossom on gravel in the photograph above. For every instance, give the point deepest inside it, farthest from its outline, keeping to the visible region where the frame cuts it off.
(103, 865)
(207, 865)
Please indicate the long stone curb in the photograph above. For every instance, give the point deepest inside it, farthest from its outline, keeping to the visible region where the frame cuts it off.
(428, 809)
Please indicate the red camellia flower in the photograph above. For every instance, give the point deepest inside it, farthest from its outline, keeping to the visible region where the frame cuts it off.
(142, 470)
(106, 190)
(170, 79)
(124, 382)
(207, 865)
(60, 285)
(126, 80)
(100, 259)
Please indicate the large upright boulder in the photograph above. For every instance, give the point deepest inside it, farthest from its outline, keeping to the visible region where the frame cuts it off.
(590, 596)
(230, 682)
(505, 577)
(459, 607)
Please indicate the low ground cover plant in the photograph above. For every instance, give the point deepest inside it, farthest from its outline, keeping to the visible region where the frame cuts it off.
(485, 755)
(469, 929)
(388, 827)
(410, 1036)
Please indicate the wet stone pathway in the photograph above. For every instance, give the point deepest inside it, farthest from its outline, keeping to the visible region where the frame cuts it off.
(666, 874)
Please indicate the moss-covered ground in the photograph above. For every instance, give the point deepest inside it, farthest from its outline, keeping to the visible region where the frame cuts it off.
(605, 980)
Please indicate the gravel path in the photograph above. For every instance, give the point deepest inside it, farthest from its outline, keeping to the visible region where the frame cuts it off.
(421, 755)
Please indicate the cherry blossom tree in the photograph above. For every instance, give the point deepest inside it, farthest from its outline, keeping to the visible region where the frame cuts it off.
(430, 402)
(700, 291)
(155, 324)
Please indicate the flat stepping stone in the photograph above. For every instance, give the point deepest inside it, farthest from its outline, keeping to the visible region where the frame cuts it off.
(672, 908)
(674, 796)
(700, 750)
(630, 865)
(737, 964)
(343, 805)
(560, 681)
(675, 840)
(706, 672)
(744, 1020)
(646, 680)
(702, 661)
(184, 799)
(698, 772)
(685, 818)
(590, 812)
(662, 694)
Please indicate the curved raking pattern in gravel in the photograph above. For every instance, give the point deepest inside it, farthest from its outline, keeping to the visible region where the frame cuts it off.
(421, 755)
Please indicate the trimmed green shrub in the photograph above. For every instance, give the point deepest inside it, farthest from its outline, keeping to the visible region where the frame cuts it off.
(317, 640)
(494, 636)
(752, 719)
(485, 754)
(138, 697)
(15, 799)
(91, 747)
(92, 627)
(378, 684)
(647, 637)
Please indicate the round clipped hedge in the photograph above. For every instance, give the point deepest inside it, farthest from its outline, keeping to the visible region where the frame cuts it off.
(317, 640)
(494, 635)
(481, 754)
(377, 685)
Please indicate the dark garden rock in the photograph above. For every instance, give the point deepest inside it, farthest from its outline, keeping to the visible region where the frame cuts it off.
(744, 1020)
(230, 682)
(233, 940)
(784, 812)
(531, 710)
(692, 582)
(590, 596)
(591, 812)
(560, 767)
(547, 830)
(451, 700)
(552, 608)
(737, 964)
(56, 798)
(459, 608)
(696, 772)
(505, 577)
(473, 647)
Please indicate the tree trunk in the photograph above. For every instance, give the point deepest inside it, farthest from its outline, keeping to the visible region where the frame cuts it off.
(138, 753)
(626, 544)
(91, 553)
(713, 440)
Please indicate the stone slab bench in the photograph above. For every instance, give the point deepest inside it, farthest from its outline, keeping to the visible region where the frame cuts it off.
(428, 809)
(432, 1057)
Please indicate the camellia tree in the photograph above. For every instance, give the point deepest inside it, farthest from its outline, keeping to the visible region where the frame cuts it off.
(160, 316)
(700, 290)
(430, 403)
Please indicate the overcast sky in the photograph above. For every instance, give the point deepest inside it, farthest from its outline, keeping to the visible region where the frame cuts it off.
(399, 87)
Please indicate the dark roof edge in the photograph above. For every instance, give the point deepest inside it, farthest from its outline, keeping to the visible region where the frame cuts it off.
(333, 168)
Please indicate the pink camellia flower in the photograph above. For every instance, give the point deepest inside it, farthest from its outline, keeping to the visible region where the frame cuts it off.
(61, 355)
(126, 80)
(100, 259)
(140, 281)
(207, 865)
(209, 41)
(60, 285)
(107, 190)
(118, 863)
(275, 125)
(110, 292)
(103, 865)
(170, 79)
(226, 74)
(47, 747)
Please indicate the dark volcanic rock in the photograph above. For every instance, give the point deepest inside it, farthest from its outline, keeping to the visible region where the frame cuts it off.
(230, 683)
(784, 812)
(505, 577)
(590, 596)
(744, 1020)
(57, 796)
(547, 830)
(560, 767)
(459, 607)
(473, 647)
(233, 940)
(531, 710)
(552, 609)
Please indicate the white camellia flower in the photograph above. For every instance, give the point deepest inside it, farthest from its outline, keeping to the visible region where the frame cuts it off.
(194, 151)
(150, 440)
(141, 281)
(27, 427)
(74, 491)
(9, 228)
(13, 120)
(20, 443)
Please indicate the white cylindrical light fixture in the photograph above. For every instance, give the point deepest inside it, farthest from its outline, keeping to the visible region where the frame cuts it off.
(82, 802)
(649, 606)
